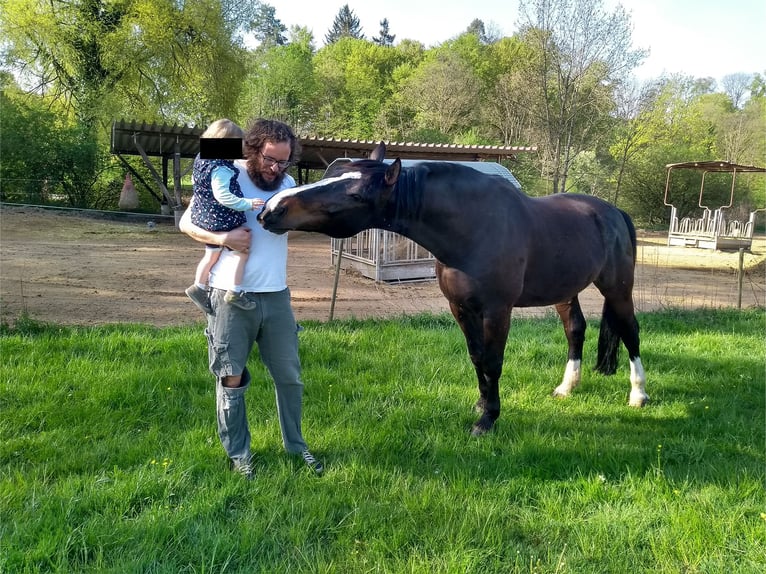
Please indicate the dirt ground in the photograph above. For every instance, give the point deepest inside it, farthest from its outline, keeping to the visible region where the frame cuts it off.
(63, 267)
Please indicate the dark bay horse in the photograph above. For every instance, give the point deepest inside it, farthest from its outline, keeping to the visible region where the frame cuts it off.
(496, 249)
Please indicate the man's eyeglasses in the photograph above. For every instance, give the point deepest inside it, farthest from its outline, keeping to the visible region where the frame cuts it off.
(270, 161)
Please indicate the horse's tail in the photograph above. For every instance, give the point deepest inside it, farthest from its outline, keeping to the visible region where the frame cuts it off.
(631, 233)
(608, 342)
(608, 337)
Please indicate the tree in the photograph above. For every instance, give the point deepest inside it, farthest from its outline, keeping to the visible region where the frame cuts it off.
(675, 125)
(47, 158)
(385, 38)
(280, 84)
(156, 59)
(736, 86)
(65, 50)
(633, 102)
(267, 28)
(345, 25)
(486, 36)
(506, 103)
(580, 52)
(758, 86)
(354, 79)
(444, 91)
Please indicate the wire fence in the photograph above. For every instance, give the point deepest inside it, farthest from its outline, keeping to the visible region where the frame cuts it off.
(691, 278)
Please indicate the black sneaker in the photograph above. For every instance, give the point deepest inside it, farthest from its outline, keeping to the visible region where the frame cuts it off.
(242, 466)
(315, 465)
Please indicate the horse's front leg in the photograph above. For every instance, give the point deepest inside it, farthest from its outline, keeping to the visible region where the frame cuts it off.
(574, 328)
(485, 335)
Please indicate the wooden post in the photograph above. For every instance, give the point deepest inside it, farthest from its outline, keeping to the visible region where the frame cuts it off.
(740, 276)
(337, 277)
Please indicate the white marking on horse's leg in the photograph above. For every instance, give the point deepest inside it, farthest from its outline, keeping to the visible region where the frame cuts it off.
(638, 396)
(571, 379)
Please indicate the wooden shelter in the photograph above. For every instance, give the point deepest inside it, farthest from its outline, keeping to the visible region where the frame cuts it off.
(713, 229)
(174, 143)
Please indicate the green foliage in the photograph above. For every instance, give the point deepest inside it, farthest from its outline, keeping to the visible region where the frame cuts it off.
(385, 37)
(68, 48)
(139, 58)
(47, 159)
(559, 84)
(444, 94)
(267, 28)
(353, 82)
(345, 25)
(280, 84)
(680, 125)
(110, 462)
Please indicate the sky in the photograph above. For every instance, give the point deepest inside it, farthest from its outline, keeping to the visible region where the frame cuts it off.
(699, 38)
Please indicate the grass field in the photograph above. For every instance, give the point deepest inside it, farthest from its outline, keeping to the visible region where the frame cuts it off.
(109, 459)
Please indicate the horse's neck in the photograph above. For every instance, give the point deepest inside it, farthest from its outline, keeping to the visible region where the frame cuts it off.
(453, 222)
(428, 217)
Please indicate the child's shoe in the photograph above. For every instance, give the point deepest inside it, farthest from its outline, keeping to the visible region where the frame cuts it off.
(238, 299)
(200, 297)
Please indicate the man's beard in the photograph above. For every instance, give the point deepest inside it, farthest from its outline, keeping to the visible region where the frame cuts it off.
(255, 175)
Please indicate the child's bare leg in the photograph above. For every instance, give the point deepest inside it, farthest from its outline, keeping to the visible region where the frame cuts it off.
(235, 296)
(198, 292)
(202, 276)
(240, 271)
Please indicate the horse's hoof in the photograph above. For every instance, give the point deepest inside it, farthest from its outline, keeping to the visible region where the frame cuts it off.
(638, 400)
(557, 394)
(481, 428)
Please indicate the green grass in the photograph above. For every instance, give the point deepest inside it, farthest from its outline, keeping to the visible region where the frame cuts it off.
(109, 459)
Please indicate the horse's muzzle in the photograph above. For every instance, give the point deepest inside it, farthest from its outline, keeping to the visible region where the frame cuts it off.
(269, 220)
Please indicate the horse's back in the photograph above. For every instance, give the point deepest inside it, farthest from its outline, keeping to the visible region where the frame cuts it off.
(575, 240)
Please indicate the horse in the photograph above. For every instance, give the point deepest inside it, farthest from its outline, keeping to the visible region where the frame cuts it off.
(495, 248)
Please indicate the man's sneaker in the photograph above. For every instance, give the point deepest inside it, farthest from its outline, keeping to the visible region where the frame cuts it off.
(242, 466)
(238, 299)
(314, 464)
(200, 297)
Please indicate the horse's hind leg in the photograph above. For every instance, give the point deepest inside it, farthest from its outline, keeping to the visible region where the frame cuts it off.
(619, 319)
(574, 328)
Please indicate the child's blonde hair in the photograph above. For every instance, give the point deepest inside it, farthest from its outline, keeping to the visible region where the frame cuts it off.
(223, 128)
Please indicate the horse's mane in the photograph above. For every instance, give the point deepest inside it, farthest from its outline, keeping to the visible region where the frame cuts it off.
(407, 200)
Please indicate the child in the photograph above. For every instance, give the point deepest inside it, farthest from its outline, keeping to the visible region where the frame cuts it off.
(218, 205)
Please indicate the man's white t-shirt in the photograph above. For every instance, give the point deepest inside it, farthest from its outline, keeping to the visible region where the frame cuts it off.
(266, 267)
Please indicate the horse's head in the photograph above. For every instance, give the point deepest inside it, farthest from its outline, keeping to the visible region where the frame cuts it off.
(347, 200)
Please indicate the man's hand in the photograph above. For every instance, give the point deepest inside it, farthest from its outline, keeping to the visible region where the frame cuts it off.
(238, 239)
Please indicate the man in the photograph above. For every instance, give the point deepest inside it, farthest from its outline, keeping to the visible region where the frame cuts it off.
(270, 147)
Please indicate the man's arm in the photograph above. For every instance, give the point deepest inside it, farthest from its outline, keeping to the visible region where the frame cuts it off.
(237, 239)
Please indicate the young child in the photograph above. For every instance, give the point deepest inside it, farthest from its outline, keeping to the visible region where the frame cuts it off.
(218, 205)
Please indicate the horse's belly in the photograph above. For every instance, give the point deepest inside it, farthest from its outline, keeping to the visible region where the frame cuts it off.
(550, 294)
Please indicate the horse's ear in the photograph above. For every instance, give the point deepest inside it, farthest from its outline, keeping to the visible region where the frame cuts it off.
(392, 172)
(379, 153)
